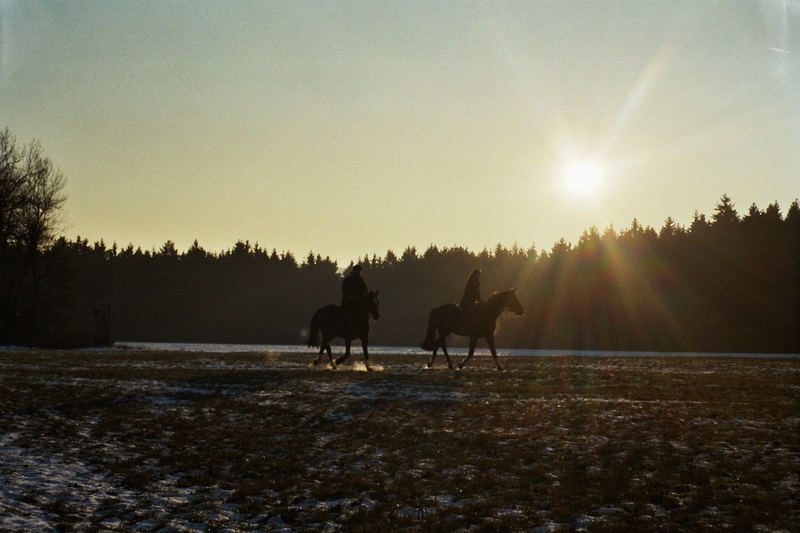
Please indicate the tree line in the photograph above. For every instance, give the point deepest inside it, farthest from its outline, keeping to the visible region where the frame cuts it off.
(729, 282)
(725, 283)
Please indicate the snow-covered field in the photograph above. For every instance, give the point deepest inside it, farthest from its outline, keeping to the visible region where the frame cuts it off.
(126, 440)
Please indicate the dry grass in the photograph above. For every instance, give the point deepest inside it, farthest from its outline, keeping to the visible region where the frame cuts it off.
(121, 440)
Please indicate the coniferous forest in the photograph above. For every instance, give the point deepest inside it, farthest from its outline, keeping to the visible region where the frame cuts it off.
(728, 282)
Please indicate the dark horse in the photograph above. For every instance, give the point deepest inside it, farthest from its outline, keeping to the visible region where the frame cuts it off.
(449, 318)
(332, 322)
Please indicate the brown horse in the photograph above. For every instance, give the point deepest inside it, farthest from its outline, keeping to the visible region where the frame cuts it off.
(449, 318)
(332, 322)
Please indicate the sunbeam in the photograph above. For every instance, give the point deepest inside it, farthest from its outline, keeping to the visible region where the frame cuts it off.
(644, 84)
(625, 276)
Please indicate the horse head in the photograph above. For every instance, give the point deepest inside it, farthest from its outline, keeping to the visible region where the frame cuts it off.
(373, 304)
(512, 303)
(503, 301)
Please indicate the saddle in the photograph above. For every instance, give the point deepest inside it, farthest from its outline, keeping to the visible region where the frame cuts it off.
(348, 316)
(471, 318)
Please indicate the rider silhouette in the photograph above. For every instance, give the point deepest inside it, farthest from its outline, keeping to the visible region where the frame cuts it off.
(472, 294)
(353, 288)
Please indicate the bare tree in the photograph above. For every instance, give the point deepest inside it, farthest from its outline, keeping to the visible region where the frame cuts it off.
(31, 195)
(43, 193)
(12, 184)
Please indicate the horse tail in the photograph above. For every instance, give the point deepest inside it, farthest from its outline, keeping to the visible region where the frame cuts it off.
(430, 336)
(313, 331)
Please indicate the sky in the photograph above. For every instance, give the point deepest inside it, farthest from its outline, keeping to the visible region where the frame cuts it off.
(352, 128)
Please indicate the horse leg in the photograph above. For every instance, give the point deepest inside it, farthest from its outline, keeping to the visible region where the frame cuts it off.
(364, 343)
(319, 355)
(447, 355)
(433, 354)
(330, 355)
(490, 342)
(346, 351)
(472, 342)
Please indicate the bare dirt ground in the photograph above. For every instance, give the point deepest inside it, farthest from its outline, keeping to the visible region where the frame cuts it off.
(129, 440)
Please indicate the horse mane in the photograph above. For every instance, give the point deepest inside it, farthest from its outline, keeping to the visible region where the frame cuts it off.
(497, 294)
(498, 298)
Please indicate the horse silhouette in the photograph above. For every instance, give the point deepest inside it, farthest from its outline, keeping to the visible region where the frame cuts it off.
(331, 321)
(449, 318)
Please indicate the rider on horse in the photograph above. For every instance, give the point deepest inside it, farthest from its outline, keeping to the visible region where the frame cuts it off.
(353, 288)
(472, 295)
(349, 321)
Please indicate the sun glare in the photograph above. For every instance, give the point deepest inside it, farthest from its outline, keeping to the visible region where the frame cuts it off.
(583, 178)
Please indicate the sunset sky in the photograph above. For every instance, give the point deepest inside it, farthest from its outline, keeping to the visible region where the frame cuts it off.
(351, 128)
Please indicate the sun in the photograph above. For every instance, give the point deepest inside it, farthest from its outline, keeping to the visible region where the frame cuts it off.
(583, 178)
